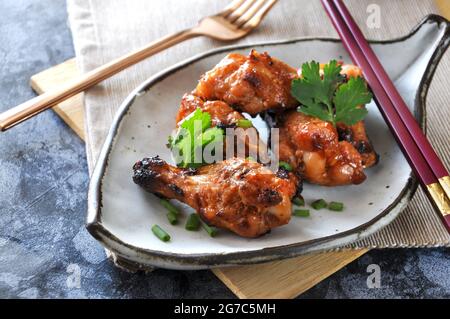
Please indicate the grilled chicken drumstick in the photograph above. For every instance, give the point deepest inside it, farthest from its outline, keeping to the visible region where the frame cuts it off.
(236, 194)
(252, 84)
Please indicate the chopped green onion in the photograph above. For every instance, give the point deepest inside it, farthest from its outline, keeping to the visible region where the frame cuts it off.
(160, 233)
(250, 159)
(301, 212)
(172, 217)
(299, 201)
(319, 204)
(169, 206)
(193, 222)
(336, 206)
(244, 123)
(285, 165)
(212, 231)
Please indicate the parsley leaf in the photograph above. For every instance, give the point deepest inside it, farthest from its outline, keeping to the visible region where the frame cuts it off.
(202, 119)
(194, 134)
(213, 134)
(348, 100)
(325, 97)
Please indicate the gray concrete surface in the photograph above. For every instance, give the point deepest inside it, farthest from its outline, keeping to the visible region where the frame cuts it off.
(43, 184)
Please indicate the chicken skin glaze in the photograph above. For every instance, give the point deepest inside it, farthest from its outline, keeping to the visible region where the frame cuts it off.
(357, 136)
(311, 146)
(251, 84)
(324, 154)
(239, 195)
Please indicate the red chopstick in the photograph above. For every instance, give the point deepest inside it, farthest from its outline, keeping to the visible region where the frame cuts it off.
(402, 109)
(418, 151)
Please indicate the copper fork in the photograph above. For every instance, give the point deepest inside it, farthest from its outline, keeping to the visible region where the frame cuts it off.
(237, 20)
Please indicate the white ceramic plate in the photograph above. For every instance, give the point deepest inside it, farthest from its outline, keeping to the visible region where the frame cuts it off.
(121, 213)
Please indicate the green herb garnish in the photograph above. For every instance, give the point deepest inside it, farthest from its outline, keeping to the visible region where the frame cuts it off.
(244, 123)
(285, 165)
(172, 214)
(327, 97)
(160, 233)
(172, 218)
(212, 231)
(301, 213)
(169, 206)
(194, 134)
(299, 201)
(193, 222)
(319, 204)
(336, 206)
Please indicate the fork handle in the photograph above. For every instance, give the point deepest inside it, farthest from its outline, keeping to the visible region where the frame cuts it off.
(47, 100)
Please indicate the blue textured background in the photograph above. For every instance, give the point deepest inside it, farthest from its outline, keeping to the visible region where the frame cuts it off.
(43, 185)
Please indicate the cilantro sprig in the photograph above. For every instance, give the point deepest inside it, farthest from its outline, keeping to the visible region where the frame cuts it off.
(327, 97)
(193, 135)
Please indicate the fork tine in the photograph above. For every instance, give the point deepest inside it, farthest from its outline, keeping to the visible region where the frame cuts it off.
(236, 14)
(250, 13)
(231, 7)
(259, 16)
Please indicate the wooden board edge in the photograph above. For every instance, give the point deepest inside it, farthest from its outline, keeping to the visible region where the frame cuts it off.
(343, 258)
(37, 84)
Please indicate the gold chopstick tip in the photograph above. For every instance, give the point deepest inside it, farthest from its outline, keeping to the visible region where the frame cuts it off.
(445, 183)
(440, 199)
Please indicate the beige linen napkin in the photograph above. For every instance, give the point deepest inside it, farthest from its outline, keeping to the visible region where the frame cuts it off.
(105, 29)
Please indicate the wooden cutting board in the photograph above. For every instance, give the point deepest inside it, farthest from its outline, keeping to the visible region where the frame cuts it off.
(444, 7)
(279, 279)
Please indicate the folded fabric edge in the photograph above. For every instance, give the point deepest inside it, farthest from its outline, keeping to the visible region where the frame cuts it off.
(84, 39)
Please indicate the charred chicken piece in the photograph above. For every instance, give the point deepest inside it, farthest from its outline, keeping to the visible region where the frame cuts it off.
(357, 136)
(252, 84)
(312, 147)
(239, 195)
